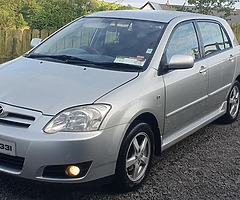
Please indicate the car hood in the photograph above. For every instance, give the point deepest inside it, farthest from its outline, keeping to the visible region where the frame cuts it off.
(50, 87)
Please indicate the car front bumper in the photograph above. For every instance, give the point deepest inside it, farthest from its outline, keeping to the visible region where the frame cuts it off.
(35, 151)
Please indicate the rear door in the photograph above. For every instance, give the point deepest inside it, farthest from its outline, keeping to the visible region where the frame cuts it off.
(220, 59)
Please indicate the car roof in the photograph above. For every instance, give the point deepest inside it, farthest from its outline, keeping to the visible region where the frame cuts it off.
(150, 15)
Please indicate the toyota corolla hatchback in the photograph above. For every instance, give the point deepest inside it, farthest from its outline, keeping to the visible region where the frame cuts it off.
(98, 98)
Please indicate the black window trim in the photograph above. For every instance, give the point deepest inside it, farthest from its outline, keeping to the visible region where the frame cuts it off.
(223, 30)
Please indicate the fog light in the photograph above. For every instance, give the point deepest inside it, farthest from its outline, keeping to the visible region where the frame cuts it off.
(72, 170)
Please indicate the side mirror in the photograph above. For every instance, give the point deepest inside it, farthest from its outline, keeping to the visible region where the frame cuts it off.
(181, 62)
(35, 42)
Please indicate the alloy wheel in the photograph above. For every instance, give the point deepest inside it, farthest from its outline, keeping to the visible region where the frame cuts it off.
(138, 156)
(234, 101)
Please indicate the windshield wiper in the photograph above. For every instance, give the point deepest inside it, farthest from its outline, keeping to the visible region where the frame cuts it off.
(76, 60)
(117, 66)
(64, 58)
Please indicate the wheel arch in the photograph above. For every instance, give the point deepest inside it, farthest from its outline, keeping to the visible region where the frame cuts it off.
(238, 78)
(151, 120)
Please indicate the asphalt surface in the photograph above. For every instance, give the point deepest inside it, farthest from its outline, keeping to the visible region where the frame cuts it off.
(205, 165)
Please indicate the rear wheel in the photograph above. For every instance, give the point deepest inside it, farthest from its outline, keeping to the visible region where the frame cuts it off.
(232, 104)
(135, 158)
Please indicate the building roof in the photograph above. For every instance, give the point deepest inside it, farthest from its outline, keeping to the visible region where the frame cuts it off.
(234, 18)
(157, 6)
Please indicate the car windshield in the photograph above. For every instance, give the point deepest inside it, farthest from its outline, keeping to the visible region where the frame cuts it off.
(118, 44)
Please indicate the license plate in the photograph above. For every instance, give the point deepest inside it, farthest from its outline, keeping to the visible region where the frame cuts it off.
(7, 147)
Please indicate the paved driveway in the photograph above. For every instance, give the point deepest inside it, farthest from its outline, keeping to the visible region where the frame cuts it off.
(205, 165)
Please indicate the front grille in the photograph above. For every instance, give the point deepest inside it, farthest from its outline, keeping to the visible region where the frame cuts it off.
(15, 119)
(58, 171)
(11, 162)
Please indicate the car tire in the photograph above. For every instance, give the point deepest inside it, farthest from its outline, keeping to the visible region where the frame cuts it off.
(135, 158)
(233, 103)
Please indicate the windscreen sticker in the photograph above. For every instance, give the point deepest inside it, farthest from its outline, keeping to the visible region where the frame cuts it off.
(149, 51)
(139, 60)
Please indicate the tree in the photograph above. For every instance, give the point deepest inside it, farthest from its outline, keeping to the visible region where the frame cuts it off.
(112, 6)
(13, 13)
(20, 22)
(56, 13)
(7, 16)
(48, 14)
(28, 8)
(210, 7)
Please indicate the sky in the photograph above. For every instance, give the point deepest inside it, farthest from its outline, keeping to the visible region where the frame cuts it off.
(139, 3)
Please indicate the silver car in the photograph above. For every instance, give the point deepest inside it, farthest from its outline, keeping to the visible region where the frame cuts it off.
(98, 98)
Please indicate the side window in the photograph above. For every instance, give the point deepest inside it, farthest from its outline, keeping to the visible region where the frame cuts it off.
(214, 38)
(183, 41)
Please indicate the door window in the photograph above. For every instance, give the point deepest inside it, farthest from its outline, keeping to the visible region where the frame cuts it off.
(183, 41)
(214, 38)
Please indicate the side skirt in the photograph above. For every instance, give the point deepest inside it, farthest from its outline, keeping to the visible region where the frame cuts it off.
(183, 133)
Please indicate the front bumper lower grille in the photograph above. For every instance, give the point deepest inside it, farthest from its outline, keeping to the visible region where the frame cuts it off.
(11, 162)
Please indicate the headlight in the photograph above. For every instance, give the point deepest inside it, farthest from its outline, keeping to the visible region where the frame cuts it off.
(78, 119)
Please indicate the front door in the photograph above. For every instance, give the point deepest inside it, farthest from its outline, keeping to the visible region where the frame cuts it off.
(186, 89)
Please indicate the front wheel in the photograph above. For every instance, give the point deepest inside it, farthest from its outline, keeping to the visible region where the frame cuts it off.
(233, 102)
(135, 158)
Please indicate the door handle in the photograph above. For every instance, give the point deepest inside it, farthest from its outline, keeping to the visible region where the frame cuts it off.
(203, 70)
(231, 58)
